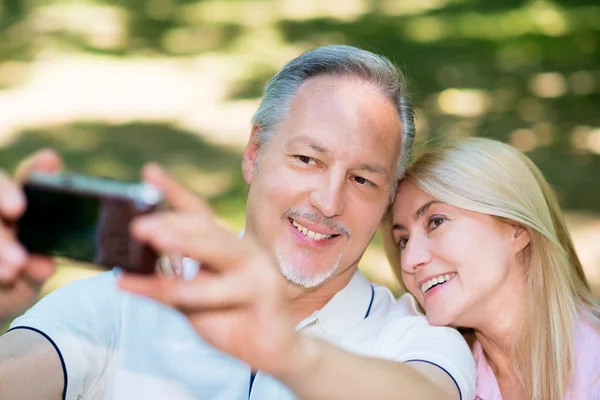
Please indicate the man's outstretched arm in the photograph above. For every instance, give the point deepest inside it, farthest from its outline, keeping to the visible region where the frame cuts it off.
(323, 371)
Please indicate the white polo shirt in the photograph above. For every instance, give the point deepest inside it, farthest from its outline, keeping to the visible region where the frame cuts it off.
(114, 345)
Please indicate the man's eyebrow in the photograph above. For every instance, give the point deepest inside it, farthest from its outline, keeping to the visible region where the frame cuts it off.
(420, 212)
(375, 169)
(305, 140)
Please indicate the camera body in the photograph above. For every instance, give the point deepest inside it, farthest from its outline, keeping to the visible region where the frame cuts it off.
(87, 219)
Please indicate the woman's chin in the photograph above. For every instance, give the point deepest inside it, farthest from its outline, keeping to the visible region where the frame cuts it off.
(438, 319)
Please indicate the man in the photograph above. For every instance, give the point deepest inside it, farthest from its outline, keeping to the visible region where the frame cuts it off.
(329, 141)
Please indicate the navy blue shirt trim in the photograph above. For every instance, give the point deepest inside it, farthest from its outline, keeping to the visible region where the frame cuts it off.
(252, 377)
(371, 302)
(60, 356)
(443, 369)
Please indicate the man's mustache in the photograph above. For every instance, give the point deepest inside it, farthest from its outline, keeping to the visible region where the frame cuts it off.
(317, 218)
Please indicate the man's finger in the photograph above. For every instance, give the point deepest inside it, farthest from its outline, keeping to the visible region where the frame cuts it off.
(170, 265)
(46, 160)
(205, 292)
(12, 257)
(12, 200)
(176, 195)
(40, 268)
(194, 236)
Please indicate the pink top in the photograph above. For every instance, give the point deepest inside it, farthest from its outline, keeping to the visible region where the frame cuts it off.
(587, 374)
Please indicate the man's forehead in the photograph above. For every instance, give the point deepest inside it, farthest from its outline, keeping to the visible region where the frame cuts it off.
(333, 113)
(307, 140)
(329, 85)
(347, 104)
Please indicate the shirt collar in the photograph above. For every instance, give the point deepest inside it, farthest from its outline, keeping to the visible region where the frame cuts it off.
(345, 309)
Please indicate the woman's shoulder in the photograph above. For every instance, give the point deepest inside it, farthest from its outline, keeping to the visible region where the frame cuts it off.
(587, 340)
(587, 358)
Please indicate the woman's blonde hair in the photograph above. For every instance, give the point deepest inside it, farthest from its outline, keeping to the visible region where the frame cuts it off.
(490, 177)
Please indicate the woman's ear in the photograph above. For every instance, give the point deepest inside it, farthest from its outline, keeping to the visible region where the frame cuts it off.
(520, 238)
(251, 153)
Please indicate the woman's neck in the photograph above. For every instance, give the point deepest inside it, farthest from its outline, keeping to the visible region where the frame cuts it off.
(497, 350)
(498, 330)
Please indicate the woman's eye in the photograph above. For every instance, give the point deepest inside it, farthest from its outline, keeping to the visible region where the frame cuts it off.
(435, 222)
(402, 243)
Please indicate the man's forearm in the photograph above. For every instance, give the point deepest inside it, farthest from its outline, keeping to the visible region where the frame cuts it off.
(319, 370)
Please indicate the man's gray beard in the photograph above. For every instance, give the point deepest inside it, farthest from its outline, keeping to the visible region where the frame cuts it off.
(301, 279)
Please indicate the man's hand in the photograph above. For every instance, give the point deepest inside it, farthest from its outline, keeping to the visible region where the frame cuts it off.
(237, 301)
(21, 275)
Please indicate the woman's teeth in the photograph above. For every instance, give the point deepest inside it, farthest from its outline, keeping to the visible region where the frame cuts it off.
(435, 281)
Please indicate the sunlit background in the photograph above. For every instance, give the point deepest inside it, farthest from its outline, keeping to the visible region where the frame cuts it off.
(113, 84)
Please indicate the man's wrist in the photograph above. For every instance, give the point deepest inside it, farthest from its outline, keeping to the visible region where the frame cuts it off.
(303, 359)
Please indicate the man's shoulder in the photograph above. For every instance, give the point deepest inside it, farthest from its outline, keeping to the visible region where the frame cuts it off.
(86, 299)
(397, 329)
(389, 316)
(390, 307)
(95, 306)
(74, 299)
(396, 318)
(102, 292)
(83, 290)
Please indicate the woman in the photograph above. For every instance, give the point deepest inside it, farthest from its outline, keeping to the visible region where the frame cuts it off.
(477, 236)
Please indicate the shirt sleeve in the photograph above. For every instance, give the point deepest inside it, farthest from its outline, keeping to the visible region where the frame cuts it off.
(412, 339)
(81, 320)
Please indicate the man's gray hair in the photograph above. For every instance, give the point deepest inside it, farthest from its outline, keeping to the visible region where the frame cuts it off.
(336, 60)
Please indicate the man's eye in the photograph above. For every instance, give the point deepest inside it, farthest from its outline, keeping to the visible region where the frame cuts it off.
(305, 159)
(362, 181)
(402, 243)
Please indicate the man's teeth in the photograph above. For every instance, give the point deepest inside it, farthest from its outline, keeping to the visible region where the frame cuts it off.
(307, 232)
(434, 281)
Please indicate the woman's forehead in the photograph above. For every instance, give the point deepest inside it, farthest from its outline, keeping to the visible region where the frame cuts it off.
(409, 196)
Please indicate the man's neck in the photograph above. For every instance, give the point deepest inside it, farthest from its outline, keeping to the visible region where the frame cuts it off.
(307, 301)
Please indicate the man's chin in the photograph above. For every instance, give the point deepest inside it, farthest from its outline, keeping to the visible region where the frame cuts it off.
(304, 269)
(307, 280)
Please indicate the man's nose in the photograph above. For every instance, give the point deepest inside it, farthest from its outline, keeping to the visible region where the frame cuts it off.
(329, 195)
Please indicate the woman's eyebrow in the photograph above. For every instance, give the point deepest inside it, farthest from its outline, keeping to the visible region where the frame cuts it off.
(420, 212)
(423, 209)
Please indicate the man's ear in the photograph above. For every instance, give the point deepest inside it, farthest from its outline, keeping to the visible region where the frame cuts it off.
(251, 152)
(520, 238)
